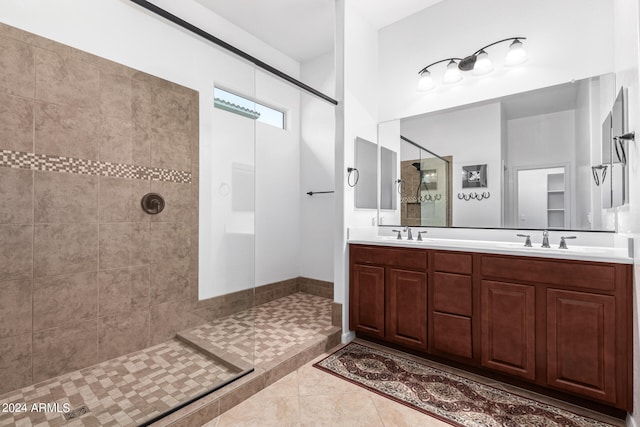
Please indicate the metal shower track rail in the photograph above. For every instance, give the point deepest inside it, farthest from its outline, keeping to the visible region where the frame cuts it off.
(244, 55)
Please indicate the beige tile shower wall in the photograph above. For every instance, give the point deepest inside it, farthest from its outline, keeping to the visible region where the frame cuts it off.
(85, 274)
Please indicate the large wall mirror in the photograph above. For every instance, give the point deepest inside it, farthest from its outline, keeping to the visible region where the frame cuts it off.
(522, 161)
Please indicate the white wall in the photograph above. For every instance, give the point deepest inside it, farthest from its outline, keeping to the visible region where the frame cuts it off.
(473, 137)
(627, 44)
(360, 103)
(125, 33)
(317, 164)
(356, 89)
(569, 39)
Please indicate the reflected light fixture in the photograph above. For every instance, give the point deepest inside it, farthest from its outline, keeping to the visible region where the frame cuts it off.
(478, 62)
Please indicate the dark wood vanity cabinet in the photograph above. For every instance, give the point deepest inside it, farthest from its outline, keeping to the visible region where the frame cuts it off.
(557, 324)
(388, 294)
(581, 314)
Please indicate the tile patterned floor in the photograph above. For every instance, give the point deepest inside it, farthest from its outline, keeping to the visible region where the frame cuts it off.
(311, 397)
(133, 388)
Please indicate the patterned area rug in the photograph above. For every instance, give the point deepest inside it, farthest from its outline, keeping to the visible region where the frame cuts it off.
(449, 397)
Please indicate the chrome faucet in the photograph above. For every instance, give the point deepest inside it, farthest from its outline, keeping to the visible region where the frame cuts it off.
(527, 242)
(545, 239)
(420, 233)
(409, 235)
(563, 243)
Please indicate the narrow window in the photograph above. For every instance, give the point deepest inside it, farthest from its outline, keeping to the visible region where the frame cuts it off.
(248, 108)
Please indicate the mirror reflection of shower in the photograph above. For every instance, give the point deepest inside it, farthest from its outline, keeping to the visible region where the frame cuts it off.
(425, 178)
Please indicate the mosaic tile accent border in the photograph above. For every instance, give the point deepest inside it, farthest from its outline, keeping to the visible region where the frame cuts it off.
(48, 163)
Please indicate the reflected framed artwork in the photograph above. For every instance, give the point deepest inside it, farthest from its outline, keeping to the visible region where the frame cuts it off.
(474, 176)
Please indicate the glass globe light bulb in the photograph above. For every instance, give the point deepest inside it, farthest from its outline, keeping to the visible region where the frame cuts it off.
(453, 74)
(426, 83)
(483, 64)
(516, 54)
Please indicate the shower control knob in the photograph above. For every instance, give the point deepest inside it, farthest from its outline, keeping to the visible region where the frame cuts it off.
(152, 203)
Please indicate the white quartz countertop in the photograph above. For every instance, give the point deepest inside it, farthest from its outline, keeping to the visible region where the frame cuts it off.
(575, 252)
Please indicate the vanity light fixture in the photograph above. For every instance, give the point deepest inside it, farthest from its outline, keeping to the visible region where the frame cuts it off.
(478, 63)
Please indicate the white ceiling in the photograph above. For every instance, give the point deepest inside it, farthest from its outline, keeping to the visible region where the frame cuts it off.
(304, 29)
(381, 13)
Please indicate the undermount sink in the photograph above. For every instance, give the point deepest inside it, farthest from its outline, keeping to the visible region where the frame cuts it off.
(404, 239)
(538, 248)
(618, 253)
(488, 245)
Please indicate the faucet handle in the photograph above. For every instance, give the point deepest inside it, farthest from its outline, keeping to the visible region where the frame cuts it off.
(527, 242)
(399, 234)
(563, 243)
(420, 235)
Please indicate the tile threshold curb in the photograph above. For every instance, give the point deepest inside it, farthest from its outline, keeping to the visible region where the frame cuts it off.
(209, 407)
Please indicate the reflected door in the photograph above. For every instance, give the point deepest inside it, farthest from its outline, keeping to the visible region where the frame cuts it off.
(542, 196)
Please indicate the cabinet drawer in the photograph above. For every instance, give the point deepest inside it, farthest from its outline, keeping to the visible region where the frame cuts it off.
(554, 272)
(415, 259)
(452, 293)
(452, 335)
(452, 262)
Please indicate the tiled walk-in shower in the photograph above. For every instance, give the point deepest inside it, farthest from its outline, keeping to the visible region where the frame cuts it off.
(134, 388)
(105, 316)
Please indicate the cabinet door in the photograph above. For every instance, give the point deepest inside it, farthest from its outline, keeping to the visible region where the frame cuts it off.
(581, 343)
(367, 300)
(407, 308)
(508, 328)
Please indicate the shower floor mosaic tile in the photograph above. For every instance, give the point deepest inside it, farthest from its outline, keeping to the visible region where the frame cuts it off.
(122, 391)
(133, 388)
(281, 324)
